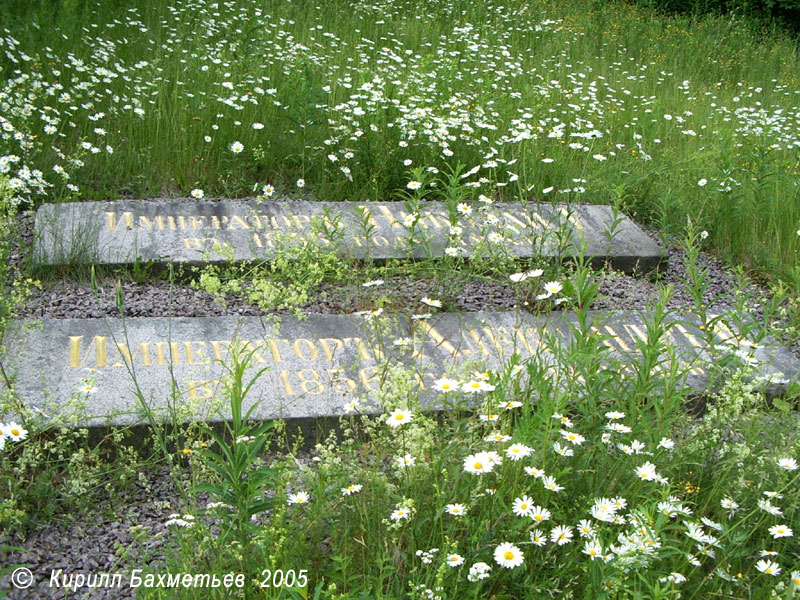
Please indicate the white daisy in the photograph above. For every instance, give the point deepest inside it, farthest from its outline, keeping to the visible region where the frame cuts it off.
(508, 555)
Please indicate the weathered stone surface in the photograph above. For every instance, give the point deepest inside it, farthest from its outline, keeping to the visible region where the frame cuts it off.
(240, 230)
(313, 367)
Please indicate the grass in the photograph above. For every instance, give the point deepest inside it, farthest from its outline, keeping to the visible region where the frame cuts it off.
(688, 124)
(346, 95)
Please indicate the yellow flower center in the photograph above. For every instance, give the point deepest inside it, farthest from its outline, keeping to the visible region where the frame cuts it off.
(399, 417)
(508, 555)
(477, 465)
(15, 432)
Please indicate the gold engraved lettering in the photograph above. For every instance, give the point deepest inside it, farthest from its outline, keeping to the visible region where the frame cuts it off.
(287, 387)
(337, 381)
(264, 239)
(273, 348)
(201, 359)
(498, 344)
(438, 338)
(205, 386)
(146, 223)
(434, 220)
(617, 339)
(507, 216)
(570, 217)
(256, 220)
(301, 220)
(538, 334)
(254, 347)
(193, 243)
(129, 358)
(236, 219)
(99, 343)
(543, 223)
(174, 352)
(477, 338)
(693, 340)
(363, 351)
(720, 329)
(364, 212)
(637, 332)
(509, 340)
(520, 336)
(419, 379)
(216, 346)
(309, 382)
(326, 350)
(367, 376)
(386, 213)
(309, 353)
(111, 220)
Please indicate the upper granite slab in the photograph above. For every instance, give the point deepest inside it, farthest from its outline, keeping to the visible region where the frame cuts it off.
(163, 231)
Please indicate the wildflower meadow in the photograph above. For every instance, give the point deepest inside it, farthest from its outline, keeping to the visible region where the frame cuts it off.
(575, 469)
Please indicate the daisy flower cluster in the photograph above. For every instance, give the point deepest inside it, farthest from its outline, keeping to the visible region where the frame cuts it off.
(11, 432)
(62, 103)
(625, 532)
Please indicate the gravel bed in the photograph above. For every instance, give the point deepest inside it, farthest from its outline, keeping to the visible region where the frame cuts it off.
(64, 298)
(93, 543)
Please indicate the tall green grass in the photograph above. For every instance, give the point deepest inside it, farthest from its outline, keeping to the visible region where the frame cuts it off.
(675, 100)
